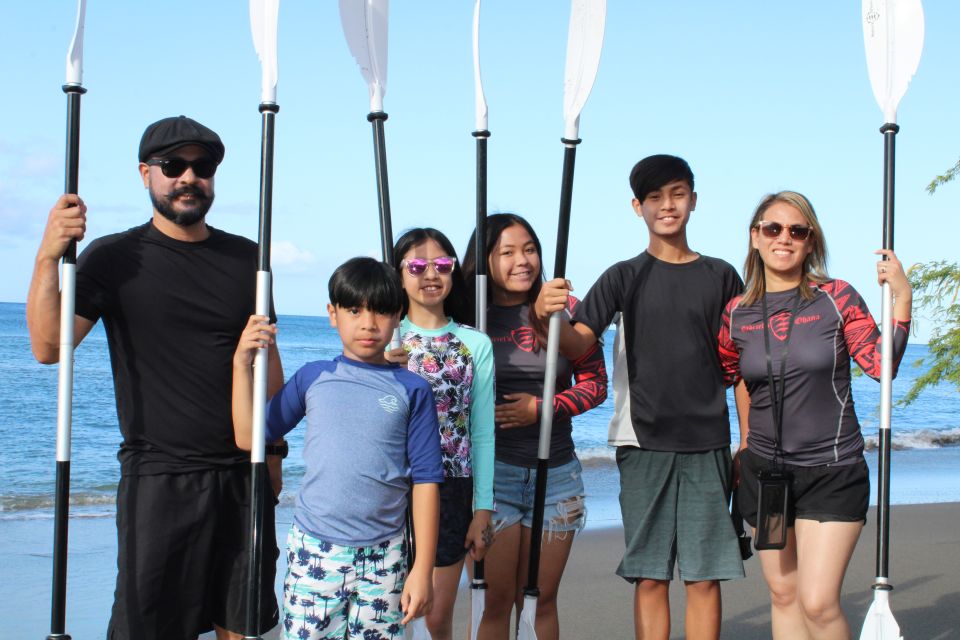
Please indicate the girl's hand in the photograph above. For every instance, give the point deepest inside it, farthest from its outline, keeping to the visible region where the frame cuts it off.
(891, 271)
(552, 297)
(397, 356)
(480, 534)
(257, 334)
(519, 412)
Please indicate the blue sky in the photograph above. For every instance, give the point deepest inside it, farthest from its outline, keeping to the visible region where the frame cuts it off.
(758, 96)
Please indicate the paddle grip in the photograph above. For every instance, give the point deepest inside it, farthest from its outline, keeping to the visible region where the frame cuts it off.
(72, 168)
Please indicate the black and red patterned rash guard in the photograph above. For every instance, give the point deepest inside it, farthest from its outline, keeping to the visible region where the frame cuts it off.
(819, 422)
(519, 363)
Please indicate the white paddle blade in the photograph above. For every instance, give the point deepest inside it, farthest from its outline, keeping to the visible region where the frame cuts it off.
(417, 630)
(479, 99)
(365, 27)
(880, 624)
(263, 26)
(75, 52)
(478, 602)
(893, 37)
(584, 43)
(527, 628)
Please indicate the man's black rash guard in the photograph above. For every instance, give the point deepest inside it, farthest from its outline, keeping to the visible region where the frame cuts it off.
(819, 422)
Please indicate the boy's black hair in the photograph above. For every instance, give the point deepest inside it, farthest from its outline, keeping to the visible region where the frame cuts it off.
(457, 303)
(651, 173)
(368, 283)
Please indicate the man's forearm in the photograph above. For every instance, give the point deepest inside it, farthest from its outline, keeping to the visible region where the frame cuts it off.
(43, 310)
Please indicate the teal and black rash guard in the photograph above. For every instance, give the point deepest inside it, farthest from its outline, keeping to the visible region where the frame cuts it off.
(819, 423)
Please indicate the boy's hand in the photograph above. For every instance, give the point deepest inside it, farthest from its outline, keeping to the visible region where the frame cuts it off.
(552, 298)
(417, 597)
(397, 356)
(257, 334)
(480, 534)
(519, 412)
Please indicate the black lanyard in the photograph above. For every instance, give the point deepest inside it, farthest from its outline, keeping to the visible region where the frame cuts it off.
(777, 397)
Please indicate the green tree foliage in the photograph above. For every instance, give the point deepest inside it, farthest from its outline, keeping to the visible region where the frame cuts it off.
(936, 289)
(939, 181)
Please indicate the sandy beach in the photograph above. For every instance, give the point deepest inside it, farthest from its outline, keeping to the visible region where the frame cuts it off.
(924, 567)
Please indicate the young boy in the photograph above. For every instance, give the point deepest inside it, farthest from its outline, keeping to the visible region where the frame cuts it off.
(670, 425)
(371, 430)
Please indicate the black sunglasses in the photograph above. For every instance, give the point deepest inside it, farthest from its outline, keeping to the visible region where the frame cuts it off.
(174, 167)
(773, 230)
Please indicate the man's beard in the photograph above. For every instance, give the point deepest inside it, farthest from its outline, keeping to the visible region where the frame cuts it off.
(184, 217)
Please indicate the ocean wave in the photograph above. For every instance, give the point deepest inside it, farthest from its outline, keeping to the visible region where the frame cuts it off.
(922, 439)
(30, 502)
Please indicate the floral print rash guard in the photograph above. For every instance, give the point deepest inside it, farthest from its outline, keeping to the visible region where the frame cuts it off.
(457, 361)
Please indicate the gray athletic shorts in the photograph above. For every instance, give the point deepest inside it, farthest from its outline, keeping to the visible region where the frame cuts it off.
(675, 510)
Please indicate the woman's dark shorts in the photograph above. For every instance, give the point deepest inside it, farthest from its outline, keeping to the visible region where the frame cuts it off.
(826, 493)
(456, 513)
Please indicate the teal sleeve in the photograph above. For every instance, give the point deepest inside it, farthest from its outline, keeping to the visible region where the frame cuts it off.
(481, 418)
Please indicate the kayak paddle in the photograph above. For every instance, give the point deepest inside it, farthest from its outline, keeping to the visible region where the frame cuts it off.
(584, 43)
(68, 291)
(478, 586)
(263, 26)
(893, 38)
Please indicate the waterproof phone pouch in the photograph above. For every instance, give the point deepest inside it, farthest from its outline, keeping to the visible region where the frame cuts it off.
(773, 500)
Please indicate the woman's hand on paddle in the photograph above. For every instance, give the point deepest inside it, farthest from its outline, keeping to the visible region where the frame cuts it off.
(480, 534)
(552, 298)
(397, 356)
(67, 222)
(258, 333)
(417, 597)
(891, 271)
(519, 411)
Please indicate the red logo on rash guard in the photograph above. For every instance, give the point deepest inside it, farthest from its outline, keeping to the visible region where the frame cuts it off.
(524, 337)
(779, 325)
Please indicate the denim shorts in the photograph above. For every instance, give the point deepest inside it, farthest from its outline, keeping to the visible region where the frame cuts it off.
(564, 507)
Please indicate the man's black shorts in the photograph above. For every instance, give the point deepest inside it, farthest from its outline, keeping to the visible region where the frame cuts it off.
(825, 493)
(182, 555)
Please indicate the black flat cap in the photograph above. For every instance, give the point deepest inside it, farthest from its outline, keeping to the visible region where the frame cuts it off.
(163, 136)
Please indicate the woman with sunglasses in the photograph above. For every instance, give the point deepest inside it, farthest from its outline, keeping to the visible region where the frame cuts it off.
(791, 337)
(512, 252)
(457, 361)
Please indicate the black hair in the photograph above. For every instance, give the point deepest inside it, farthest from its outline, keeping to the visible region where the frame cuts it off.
(456, 305)
(496, 223)
(368, 283)
(653, 172)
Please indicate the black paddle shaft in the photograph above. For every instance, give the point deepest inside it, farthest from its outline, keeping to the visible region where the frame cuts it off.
(889, 132)
(543, 462)
(377, 118)
(258, 470)
(480, 237)
(61, 509)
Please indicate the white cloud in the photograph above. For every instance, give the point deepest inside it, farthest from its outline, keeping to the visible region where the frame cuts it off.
(286, 257)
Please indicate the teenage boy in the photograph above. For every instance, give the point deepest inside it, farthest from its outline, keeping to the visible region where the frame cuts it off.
(670, 426)
(371, 431)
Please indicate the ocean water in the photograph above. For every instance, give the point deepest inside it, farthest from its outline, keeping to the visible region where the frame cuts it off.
(926, 460)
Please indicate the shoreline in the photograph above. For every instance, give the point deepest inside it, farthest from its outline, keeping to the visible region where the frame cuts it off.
(924, 569)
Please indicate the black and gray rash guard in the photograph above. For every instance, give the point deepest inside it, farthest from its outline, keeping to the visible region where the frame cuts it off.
(819, 422)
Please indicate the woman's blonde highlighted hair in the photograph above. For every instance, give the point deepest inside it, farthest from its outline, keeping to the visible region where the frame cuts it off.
(814, 265)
